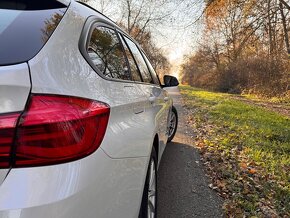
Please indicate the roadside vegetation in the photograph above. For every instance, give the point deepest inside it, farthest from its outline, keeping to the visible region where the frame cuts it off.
(245, 49)
(246, 151)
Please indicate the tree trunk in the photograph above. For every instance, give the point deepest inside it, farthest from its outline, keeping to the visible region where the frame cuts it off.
(270, 31)
(286, 36)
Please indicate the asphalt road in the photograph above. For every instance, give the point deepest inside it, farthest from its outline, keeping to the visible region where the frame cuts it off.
(182, 185)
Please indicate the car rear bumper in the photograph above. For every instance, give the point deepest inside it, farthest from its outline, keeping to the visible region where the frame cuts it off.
(95, 186)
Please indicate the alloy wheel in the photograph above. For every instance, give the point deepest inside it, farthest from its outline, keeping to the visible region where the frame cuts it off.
(152, 191)
(172, 124)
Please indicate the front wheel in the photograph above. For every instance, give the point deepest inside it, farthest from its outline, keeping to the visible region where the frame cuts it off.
(173, 121)
(149, 200)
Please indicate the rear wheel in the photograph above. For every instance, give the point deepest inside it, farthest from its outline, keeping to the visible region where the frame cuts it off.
(173, 121)
(149, 200)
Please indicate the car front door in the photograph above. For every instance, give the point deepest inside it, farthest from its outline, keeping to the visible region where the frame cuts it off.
(154, 99)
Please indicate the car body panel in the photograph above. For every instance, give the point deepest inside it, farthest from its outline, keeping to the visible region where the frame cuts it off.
(14, 91)
(3, 173)
(158, 109)
(67, 190)
(14, 87)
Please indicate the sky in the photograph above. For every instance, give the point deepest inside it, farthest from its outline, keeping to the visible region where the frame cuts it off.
(177, 37)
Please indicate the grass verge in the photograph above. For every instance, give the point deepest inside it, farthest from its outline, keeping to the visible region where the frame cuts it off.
(246, 150)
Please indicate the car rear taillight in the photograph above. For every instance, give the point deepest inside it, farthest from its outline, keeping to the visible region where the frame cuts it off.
(7, 131)
(56, 129)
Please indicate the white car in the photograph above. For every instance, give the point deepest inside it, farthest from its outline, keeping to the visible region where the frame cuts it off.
(84, 119)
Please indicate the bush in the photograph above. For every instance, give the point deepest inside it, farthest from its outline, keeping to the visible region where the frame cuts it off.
(253, 75)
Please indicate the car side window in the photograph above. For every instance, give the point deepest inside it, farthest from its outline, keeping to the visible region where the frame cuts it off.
(140, 61)
(133, 67)
(153, 72)
(106, 53)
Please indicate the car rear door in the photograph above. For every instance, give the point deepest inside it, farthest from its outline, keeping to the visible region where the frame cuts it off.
(164, 104)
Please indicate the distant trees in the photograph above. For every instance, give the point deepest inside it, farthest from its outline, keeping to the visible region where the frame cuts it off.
(137, 18)
(245, 48)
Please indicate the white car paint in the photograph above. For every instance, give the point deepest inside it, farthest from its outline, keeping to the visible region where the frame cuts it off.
(108, 183)
(14, 87)
(96, 186)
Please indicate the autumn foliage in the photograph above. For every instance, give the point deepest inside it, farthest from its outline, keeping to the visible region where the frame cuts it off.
(245, 48)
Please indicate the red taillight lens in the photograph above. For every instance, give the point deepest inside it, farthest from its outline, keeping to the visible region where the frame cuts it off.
(57, 129)
(7, 131)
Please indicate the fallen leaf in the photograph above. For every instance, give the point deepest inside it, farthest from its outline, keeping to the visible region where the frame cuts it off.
(244, 166)
(252, 171)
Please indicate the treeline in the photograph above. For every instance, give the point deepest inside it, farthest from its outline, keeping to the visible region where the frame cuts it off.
(245, 48)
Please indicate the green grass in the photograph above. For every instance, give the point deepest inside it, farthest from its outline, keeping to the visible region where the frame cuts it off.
(245, 135)
(285, 100)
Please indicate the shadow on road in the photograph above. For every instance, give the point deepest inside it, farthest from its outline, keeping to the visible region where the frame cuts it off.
(182, 184)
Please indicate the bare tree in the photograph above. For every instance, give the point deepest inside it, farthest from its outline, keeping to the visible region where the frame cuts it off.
(284, 23)
(244, 47)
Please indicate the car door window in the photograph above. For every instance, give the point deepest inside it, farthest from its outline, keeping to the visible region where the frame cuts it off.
(152, 71)
(133, 67)
(106, 53)
(146, 76)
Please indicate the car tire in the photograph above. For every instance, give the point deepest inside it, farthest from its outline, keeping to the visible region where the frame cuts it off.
(149, 199)
(173, 122)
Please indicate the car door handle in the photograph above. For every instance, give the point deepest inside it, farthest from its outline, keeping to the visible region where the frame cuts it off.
(166, 99)
(152, 99)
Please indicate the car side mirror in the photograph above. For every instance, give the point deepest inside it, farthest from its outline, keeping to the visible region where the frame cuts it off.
(170, 81)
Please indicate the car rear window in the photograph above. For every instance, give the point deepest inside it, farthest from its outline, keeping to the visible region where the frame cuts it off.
(25, 26)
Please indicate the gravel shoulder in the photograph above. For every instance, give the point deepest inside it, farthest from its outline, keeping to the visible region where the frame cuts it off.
(182, 184)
